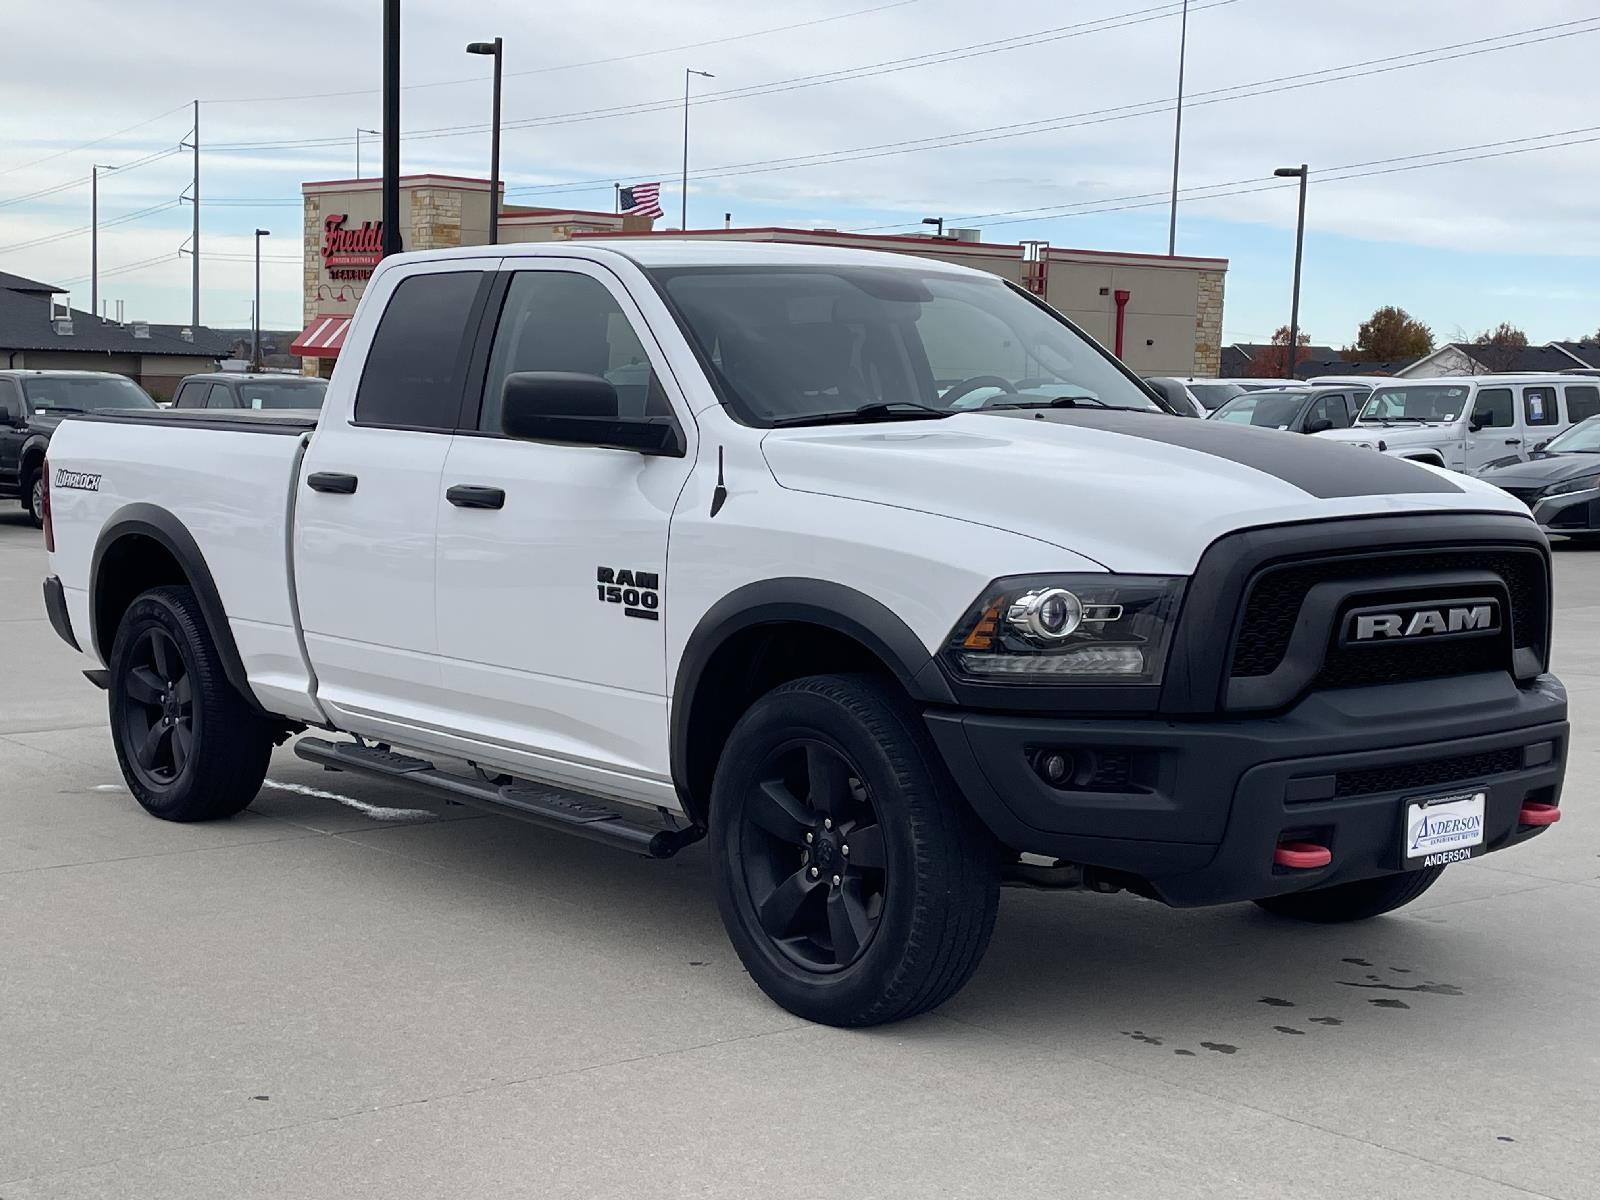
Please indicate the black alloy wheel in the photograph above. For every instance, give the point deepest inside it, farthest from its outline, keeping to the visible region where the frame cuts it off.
(158, 714)
(814, 856)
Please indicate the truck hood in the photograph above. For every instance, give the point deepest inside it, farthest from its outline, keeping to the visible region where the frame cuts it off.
(1368, 436)
(1136, 492)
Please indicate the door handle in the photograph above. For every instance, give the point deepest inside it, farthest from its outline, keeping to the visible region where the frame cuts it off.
(1513, 441)
(472, 495)
(332, 481)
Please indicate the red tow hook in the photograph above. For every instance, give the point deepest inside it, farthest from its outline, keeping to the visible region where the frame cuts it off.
(1538, 814)
(1301, 856)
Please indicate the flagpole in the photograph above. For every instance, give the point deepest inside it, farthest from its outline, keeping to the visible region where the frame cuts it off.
(616, 196)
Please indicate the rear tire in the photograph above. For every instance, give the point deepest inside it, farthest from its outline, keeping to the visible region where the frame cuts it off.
(1353, 901)
(842, 760)
(33, 497)
(189, 746)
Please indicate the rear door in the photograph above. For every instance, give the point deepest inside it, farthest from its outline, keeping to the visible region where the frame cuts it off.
(13, 432)
(367, 501)
(551, 647)
(1541, 415)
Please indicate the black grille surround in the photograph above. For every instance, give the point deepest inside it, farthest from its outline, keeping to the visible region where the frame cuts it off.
(1436, 772)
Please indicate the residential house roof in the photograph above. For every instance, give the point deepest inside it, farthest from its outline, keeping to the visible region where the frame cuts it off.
(26, 324)
(20, 283)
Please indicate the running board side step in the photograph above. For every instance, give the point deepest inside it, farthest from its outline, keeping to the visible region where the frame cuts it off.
(548, 807)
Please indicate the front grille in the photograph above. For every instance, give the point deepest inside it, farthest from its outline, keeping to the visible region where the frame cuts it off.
(1272, 609)
(1437, 772)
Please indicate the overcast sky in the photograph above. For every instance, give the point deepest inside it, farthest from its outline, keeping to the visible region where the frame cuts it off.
(1462, 245)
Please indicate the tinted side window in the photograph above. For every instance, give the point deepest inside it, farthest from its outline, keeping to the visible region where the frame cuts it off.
(1492, 409)
(1583, 402)
(191, 395)
(11, 408)
(1539, 406)
(1331, 409)
(220, 397)
(412, 375)
(563, 321)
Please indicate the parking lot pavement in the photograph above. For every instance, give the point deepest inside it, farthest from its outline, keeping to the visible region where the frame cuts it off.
(352, 991)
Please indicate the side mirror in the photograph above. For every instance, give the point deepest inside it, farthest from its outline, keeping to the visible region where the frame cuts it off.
(1318, 425)
(579, 410)
(1474, 425)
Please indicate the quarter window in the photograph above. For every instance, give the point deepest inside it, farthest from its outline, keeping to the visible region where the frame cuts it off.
(564, 321)
(1539, 406)
(1492, 409)
(1583, 402)
(413, 371)
(219, 397)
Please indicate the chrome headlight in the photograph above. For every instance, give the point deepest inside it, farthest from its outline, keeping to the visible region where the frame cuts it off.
(1067, 629)
(1584, 483)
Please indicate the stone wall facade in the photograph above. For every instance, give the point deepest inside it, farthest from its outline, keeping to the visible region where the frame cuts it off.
(1208, 325)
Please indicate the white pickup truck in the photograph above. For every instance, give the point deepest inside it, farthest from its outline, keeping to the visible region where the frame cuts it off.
(874, 572)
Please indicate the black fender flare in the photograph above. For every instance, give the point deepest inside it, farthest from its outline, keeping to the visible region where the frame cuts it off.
(162, 527)
(813, 601)
(39, 443)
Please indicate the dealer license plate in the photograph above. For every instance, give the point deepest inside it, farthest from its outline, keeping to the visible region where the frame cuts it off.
(1444, 829)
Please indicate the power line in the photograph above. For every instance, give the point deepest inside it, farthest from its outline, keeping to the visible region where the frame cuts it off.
(593, 62)
(1270, 86)
(971, 50)
(96, 142)
(124, 219)
(156, 156)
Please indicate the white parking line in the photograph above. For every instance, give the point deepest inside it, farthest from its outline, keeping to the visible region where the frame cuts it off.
(376, 811)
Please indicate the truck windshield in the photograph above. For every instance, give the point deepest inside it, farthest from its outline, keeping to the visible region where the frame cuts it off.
(282, 393)
(816, 345)
(1423, 402)
(1271, 410)
(69, 393)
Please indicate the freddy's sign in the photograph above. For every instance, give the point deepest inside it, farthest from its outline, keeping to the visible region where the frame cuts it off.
(350, 253)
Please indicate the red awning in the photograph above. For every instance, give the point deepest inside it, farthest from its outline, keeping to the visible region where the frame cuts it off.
(322, 338)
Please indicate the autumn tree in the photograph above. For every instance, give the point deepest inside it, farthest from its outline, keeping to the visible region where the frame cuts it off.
(1499, 348)
(1272, 360)
(1391, 333)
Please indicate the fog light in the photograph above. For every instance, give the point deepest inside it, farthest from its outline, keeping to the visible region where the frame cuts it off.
(1053, 766)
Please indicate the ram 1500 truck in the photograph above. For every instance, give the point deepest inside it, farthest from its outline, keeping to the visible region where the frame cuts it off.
(876, 573)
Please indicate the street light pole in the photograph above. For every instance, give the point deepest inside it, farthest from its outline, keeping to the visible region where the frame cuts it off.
(683, 218)
(1177, 134)
(1302, 173)
(359, 132)
(391, 128)
(255, 317)
(495, 48)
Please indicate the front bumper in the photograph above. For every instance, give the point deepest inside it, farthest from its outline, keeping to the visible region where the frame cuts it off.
(1191, 811)
(1569, 512)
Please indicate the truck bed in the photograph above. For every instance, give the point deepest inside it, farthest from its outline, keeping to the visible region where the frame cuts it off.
(228, 478)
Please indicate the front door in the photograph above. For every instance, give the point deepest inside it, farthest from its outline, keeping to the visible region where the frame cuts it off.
(367, 497)
(551, 646)
(1497, 433)
(13, 432)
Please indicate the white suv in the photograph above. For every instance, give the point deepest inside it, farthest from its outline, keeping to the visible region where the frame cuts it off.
(1465, 423)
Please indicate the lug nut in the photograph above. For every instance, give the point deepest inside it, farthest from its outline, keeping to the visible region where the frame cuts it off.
(835, 881)
(844, 849)
(827, 823)
(814, 872)
(808, 837)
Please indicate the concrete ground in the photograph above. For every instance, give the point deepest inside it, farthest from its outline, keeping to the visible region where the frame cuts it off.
(353, 992)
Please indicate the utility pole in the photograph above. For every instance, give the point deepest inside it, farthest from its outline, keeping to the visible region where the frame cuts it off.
(1177, 134)
(391, 127)
(194, 240)
(94, 236)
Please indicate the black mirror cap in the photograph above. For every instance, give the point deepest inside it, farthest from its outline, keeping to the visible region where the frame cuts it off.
(580, 410)
(1318, 425)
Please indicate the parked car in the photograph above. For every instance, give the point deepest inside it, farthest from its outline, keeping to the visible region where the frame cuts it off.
(904, 637)
(1467, 422)
(1208, 392)
(1178, 395)
(1297, 410)
(1246, 384)
(32, 404)
(1560, 484)
(238, 389)
(1365, 382)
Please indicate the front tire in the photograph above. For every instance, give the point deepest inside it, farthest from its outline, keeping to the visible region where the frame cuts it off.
(33, 497)
(856, 886)
(1357, 901)
(189, 746)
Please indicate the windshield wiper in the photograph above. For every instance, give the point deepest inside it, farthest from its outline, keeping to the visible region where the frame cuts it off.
(55, 408)
(1057, 402)
(1391, 420)
(897, 410)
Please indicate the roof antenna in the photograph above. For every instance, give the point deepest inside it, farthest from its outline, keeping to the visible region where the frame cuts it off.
(719, 494)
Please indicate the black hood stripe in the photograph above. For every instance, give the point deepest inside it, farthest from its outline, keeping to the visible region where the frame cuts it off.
(1324, 469)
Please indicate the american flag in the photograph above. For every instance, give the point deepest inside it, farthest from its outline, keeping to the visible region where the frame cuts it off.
(641, 200)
